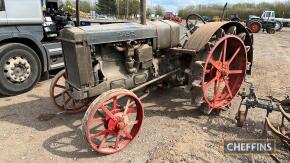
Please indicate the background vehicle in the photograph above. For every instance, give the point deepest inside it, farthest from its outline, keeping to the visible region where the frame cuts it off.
(171, 16)
(270, 15)
(266, 22)
(28, 44)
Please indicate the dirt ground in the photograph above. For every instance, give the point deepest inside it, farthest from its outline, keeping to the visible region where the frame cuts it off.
(173, 131)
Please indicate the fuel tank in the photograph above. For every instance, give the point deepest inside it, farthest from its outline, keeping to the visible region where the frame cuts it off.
(165, 33)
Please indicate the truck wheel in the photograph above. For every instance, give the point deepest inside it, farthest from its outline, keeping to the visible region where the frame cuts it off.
(20, 69)
(278, 26)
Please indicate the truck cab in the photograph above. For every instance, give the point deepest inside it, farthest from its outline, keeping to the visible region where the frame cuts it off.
(28, 45)
(268, 15)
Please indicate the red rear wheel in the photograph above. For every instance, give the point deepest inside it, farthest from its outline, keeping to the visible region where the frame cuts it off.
(61, 96)
(255, 27)
(113, 120)
(224, 71)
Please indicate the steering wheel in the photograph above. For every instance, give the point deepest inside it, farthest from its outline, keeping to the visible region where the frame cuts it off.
(192, 20)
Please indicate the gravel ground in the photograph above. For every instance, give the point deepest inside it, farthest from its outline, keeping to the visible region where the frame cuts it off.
(173, 131)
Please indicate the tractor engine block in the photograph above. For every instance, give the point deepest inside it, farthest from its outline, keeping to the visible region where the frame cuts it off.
(132, 55)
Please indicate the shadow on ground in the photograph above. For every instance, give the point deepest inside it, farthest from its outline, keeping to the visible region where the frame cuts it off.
(42, 115)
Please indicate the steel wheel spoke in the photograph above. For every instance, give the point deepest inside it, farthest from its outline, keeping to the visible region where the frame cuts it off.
(216, 91)
(210, 83)
(228, 88)
(103, 141)
(221, 54)
(115, 103)
(108, 113)
(235, 71)
(96, 120)
(225, 51)
(235, 54)
(93, 136)
(58, 95)
(118, 139)
(68, 100)
(131, 110)
(127, 134)
(60, 86)
(214, 63)
(101, 114)
(127, 106)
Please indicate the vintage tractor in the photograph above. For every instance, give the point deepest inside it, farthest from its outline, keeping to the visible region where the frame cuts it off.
(110, 68)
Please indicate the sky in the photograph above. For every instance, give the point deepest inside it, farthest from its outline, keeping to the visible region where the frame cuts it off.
(174, 5)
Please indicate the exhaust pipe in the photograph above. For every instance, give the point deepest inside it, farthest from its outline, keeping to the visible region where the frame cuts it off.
(143, 8)
(77, 13)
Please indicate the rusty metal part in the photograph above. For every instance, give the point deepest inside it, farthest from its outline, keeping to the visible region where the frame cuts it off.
(199, 39)
(250, 100)
(182, 51)
(284, 138)
(284, 113)
(241, 118)
(154, 80)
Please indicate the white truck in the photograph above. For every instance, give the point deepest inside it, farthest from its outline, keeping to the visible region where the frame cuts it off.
(29, 47)
(270, 15)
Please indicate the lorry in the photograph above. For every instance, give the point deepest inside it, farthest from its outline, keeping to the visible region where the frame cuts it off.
(29, 47)
(270, 15)
(29, 44)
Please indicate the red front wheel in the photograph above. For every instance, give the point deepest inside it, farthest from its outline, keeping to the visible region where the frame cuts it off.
(113, 120)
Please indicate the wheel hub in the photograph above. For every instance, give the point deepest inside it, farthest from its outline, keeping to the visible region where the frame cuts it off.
(17, 69)
(117, 124)
(224, 72)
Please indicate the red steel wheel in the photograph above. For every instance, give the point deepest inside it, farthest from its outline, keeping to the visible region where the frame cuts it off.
(255, 27)
(224, 71)
(61, 97)
(113, 120)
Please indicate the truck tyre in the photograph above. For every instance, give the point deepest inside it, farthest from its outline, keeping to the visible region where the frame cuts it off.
(20, 69)
(278, 26)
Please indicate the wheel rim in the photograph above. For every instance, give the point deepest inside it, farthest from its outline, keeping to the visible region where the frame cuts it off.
(17, 69)
(61, 96)
(224, 71)
(277, 26)
(110, 126)
(255, 27)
